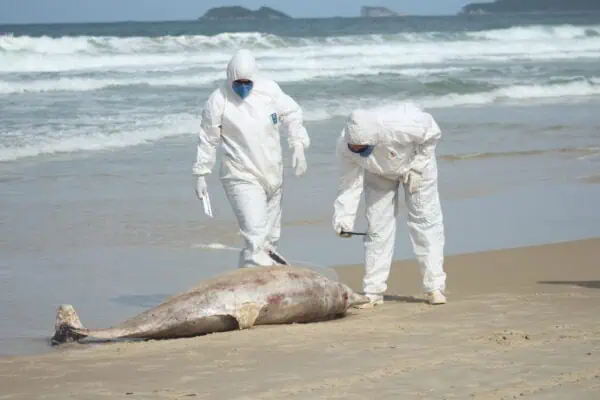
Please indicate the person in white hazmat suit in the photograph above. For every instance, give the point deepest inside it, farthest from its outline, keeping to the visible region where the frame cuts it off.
(383, 150)
(245, 114)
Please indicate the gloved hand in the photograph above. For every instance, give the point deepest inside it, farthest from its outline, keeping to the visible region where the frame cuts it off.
(412, 180)
(298, 160)
(201, 188)
(342, 227)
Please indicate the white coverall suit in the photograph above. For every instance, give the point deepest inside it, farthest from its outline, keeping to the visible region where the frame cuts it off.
(251, 170)
(404, 139)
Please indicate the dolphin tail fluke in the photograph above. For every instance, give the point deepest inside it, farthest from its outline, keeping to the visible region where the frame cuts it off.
(68, 326)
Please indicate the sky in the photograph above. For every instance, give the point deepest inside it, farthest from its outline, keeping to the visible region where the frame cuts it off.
(48, 11)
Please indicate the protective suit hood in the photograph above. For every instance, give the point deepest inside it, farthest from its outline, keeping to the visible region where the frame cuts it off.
(403, 122)
(362, 127)
(241, 66)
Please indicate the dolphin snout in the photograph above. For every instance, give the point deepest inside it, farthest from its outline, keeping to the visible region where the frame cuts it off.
(358, 299)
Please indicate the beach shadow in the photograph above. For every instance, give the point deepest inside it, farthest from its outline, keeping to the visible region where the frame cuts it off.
(403, 299)
(143, 301)
(585, 284)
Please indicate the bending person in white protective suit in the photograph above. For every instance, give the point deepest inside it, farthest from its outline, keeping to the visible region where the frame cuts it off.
(383, 150)
(245, 114)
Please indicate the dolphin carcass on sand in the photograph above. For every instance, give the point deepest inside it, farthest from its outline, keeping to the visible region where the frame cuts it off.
(238, 299)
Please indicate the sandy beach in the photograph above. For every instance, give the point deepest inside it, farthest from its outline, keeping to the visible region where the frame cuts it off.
(97, 206)
(519, 323)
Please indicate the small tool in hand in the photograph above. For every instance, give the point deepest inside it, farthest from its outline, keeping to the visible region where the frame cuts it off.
(353, 233)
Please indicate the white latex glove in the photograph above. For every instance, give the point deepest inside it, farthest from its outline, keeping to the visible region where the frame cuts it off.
(342, 227)
(298, 160)
(201, 188)
(412, 180)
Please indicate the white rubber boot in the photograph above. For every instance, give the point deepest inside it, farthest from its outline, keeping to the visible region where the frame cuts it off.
(436, 297)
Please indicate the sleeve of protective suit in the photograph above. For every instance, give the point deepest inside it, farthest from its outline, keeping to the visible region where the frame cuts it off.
(426, 148)
(209, 135)
(349, 191)
(290, 113)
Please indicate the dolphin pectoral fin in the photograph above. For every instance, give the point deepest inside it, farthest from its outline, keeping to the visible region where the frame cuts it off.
(246, 315)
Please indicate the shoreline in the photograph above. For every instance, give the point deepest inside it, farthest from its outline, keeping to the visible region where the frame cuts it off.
(494, 269)
(404, 276)
(521, 311)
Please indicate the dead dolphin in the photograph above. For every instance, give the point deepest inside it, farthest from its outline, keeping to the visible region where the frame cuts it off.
(237, 299)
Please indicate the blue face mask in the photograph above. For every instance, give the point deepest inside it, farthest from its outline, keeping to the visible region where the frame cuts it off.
(366, 152)
(242, 88)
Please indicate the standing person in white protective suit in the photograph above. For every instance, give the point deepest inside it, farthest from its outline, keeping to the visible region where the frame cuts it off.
(246, 113)
(384, 150)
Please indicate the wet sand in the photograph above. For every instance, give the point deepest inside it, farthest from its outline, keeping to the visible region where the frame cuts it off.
(519, 323)
(592, 179)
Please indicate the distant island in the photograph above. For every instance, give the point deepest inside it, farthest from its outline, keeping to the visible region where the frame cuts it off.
(377, 12)
(530, 6)
(238, 12)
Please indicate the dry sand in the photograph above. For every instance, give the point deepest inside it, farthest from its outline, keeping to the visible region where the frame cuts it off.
(519, 323)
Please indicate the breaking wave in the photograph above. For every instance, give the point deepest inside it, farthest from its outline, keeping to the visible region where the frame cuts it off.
(118, 83)
(94, 138)
(186, 43)
(507, 95)
(46, 54)
(151, 130)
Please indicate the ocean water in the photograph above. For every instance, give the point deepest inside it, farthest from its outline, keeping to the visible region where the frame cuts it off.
(97, 138)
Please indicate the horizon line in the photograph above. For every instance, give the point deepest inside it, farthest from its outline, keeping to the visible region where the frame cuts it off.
(199, 20)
